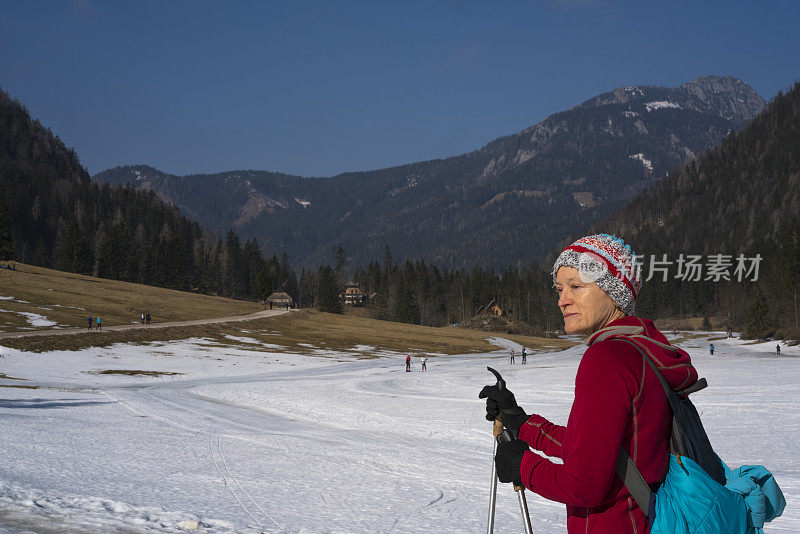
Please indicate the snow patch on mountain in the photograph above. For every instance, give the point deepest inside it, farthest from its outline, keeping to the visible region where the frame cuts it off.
(645, 162)
(661, 104)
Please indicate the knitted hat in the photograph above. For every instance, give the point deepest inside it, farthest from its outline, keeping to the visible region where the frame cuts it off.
(610, 263)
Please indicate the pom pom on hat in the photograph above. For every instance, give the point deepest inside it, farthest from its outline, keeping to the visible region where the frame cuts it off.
(610, 263)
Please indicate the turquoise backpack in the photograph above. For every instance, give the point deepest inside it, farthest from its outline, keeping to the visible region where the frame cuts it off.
(700, 494)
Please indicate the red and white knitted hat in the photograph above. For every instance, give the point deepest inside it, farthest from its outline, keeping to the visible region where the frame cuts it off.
(610, 263)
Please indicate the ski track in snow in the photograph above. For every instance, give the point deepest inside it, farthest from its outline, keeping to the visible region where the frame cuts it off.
(248, 442)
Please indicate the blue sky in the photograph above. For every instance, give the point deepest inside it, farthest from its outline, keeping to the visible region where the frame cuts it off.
(318, 88)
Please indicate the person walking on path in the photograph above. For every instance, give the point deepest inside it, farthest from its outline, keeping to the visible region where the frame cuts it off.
(618, 403)
(778, 349)
(90, 322)
(99, 324)
(524, 356)
(512, 355)
(147, 318)
(711, 349)
(142, 317)
(408, 364)
(424, 363)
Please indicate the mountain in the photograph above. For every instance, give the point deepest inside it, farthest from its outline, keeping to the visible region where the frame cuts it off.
(741, 197)
(508, 203)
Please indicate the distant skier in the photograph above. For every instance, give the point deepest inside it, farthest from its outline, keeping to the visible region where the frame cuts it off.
(778, 349)
(512, 355)
(90, 322)
(408, 364)
(99, 324)
(524, 356)
(425, 364)
(711, 349)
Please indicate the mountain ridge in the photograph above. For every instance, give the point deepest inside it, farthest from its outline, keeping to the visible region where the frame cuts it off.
(534, 186)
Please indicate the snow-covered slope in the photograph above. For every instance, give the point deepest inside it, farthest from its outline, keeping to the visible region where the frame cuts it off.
(267, 441)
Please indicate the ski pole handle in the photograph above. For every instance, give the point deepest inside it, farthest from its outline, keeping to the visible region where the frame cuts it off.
(497, 427)
(501, 384)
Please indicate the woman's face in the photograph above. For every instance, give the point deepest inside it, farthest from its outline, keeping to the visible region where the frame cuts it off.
(586, 308)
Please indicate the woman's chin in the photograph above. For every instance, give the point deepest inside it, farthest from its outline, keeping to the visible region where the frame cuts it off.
(572, 326)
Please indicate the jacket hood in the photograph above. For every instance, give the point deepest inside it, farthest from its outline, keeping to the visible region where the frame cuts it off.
(674, 363)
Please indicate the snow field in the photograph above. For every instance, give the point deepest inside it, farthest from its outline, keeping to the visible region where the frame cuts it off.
(249, 441)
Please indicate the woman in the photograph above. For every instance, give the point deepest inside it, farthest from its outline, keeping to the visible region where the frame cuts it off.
(619, 402)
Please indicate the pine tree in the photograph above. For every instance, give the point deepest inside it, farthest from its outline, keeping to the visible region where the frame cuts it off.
(75, 250)
(791, 272)
(5, 230)
(706, 321)
(757, 325)
(234, 268)
(407, 309)
(263, 286)
(308, 289)
(329, 294)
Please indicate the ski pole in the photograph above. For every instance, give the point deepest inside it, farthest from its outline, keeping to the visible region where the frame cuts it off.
(497, 428)
(506, 435)
(501, 434)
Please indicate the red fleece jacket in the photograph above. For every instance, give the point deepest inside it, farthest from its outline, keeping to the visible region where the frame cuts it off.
(619, 402)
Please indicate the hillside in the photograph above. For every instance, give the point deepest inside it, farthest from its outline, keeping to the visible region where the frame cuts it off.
(508, 203)
(742, 197)
(36, 298)
(52, 214)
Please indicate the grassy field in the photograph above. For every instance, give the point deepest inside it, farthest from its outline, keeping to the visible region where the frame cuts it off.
(68, 299)
(295, 331)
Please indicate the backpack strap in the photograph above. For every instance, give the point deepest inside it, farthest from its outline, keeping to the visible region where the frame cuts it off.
(626, 469)
(697, 386)
(633, 480)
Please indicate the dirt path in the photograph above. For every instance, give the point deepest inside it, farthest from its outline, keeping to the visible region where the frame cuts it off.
(120, 327)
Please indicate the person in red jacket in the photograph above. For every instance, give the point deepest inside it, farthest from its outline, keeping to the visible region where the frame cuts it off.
(619, 402)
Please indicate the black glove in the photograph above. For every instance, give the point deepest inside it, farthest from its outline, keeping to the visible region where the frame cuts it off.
(502, 401)
(508, 460)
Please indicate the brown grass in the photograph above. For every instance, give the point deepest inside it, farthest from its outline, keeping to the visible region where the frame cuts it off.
(322, 330)
(69, 298)
(126, 372)
(6, 377)
(688, 323)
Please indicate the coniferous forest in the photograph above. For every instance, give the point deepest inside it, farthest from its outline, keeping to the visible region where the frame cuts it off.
(741, 197)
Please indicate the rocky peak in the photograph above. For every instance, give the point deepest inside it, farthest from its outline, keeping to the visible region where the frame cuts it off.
(729, 97)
